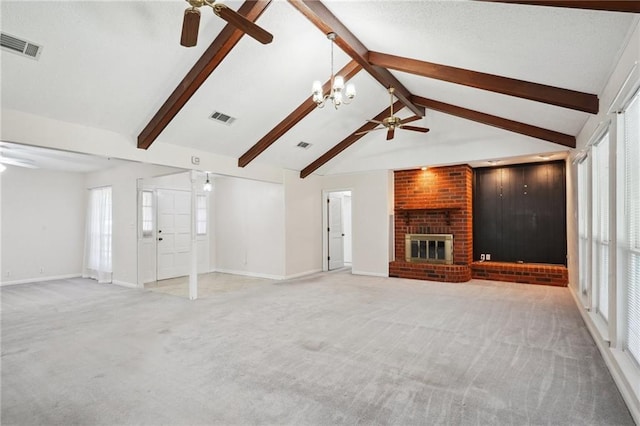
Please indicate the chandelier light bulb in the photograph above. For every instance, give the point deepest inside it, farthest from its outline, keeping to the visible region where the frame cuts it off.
(338, 83)
(351, 91)
(317, 87)
(337, 93)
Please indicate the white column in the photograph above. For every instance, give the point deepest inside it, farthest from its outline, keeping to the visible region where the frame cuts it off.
(193, 275)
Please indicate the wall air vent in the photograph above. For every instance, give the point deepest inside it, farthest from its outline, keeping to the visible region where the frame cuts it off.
(222, 118)
(303, 145)
(21, 47)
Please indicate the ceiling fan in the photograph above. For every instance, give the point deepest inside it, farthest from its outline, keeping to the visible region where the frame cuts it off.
(392, 122)
(191, 22)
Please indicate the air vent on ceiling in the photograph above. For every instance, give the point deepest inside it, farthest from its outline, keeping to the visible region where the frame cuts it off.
(222, 118)
(19, 46)
(303, 145)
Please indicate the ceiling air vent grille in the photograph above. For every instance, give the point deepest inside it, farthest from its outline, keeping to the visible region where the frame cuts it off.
(303, 145)
(19, 46)
(222, 118)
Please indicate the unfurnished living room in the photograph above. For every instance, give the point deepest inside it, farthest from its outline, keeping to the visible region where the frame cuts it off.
(320, 212)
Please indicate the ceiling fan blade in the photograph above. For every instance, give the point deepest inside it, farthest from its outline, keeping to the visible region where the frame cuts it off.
(242, 23)
(415, 129)
(190, 26)
(367, 131)
(390, 133)
(410, 119)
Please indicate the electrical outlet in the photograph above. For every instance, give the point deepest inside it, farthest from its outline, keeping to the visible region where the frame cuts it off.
(487, 256)
(482, 256)
(42, 270)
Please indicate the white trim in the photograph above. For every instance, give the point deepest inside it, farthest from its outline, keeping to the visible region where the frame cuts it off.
(623, 373)
(38, 279)
(370, 274)
(124, 284)
(302, 274)
(598, 134)
(600, 324)
(627, 90)
(251, 274)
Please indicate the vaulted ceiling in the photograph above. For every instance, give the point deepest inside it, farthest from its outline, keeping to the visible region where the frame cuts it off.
(493, 80)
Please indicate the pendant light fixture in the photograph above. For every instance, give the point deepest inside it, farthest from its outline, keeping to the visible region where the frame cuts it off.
(338, 94)
(207, 185)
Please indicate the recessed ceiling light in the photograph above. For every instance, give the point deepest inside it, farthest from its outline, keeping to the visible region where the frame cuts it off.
(544, 157)
(492, 161)
(423, 168)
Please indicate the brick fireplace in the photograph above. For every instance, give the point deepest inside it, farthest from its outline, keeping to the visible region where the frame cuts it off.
(434, 201)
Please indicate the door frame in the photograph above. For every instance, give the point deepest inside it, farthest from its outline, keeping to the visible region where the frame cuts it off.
(325, 224)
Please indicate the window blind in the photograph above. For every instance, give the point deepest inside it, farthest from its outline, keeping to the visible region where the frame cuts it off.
(201, 215)
(147, 213)
(583, 224)
(600, 222)
(631, 247)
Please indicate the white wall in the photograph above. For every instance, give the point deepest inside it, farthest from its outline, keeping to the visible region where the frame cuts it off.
(250, 227)
(30, 129)
(303, 223)
(43, 223)
(371, 205)
(123, 180)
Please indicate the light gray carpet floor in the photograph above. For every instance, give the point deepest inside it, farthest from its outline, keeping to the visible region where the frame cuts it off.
(327, 349)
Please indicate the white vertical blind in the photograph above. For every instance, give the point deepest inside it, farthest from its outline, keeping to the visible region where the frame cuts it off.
(201, 215)
(583, 225)
(98, 256)
(600, 222)
(631, 247)
(147, 213)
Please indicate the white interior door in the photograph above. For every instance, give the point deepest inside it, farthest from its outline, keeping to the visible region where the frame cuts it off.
(174, 233)
(336, 232)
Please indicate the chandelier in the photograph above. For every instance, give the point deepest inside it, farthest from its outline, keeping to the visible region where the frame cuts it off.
(338, 94)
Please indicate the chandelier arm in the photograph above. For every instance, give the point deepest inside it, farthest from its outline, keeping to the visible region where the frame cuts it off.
(332, 77)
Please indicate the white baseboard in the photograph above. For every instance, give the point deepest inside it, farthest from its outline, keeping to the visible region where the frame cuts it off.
(250, 274)
(38, 279)
(124, 284)
(370, 274)
(302, 274)
(624, 373)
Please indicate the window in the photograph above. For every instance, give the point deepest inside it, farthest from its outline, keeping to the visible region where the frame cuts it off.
(583, 225)
(600, 223)
(630, 241)
(201, 215)
(147, 213)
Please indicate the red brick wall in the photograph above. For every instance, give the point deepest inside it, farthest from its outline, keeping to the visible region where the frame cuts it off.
(434, 201)
(529, 273)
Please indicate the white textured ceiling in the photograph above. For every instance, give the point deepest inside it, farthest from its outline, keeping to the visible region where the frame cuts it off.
(112, 64)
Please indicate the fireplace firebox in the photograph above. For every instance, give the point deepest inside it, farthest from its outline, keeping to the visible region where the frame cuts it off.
(430, 248)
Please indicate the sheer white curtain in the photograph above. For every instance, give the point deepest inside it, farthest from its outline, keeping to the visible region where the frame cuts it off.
(97, 258)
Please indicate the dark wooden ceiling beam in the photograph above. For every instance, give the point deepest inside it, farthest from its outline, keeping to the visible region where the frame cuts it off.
(508, 86)
(632, 6)
(351, 69)
(502, 123)
(348, 141)
(327, 22)
(208, 62)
